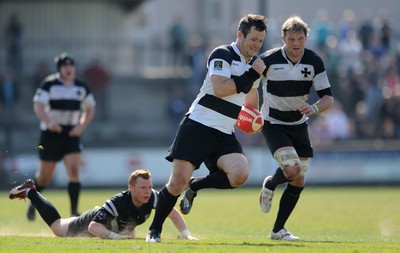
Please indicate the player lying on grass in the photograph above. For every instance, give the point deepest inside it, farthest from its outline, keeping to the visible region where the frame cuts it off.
(116, 219)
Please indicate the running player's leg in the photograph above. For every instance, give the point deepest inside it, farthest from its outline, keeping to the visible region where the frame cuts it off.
(227, 164)
(232, 172)
(72, 162)
(49, 155)
(168, 196)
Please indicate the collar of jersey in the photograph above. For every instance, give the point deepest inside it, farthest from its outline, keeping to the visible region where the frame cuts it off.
(236, 49)
(287, 58)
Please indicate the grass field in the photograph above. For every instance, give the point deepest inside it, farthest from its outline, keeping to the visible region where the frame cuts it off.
(356, 220)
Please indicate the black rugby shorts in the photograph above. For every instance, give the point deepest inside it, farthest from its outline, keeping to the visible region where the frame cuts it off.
(56, 145)
(278, 136)
(198, 143)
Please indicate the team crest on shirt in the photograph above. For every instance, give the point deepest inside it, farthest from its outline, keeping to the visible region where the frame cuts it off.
(101, 215)
(306, 72)
(218, 65)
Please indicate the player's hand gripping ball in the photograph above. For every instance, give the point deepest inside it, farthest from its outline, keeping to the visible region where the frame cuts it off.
(249, 120)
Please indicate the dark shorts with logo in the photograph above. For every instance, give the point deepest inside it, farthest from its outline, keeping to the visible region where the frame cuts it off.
(278, 136)
(198, 143)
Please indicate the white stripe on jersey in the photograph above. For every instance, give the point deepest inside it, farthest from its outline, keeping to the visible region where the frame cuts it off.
(59, 93)
(155, 193)
(220, 67)
(289, 72)
(109, 206)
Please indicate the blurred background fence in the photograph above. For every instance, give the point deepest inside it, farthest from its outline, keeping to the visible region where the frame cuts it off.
(150, 83)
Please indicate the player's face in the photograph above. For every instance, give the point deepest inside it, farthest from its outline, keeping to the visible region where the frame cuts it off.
(294, 45)
(250, 45)
(141, 191)
(67, 72)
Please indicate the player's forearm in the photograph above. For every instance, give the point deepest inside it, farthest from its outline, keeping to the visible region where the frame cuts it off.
(177, 220)
(252, 99)
(87, 117)
(40, 112)
(324, 103)
(98, 230)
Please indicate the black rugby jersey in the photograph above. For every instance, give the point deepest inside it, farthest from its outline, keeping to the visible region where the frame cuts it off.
(118, 214)
(64, 102)
(286, 86)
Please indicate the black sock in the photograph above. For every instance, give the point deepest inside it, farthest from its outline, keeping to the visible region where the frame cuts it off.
(286, 205)
(165, 203)
(217, 180)
(277, 179)
(38, 189)
(73, 191)
(46, 210)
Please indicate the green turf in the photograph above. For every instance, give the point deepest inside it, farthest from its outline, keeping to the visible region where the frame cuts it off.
(354, 220)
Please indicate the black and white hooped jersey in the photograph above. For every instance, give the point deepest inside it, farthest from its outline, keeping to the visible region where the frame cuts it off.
(120, 215)
(209, 110)
(286, 86)
(64, 103)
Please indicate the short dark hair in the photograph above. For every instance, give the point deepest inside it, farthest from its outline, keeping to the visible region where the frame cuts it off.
(145, 174)
(250, 20)
(64, 59)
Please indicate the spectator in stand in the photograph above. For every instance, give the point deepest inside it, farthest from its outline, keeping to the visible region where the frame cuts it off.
(349, 50)
(366, 30)
(363, 128)
(13, 37)
(178, 36)
(177, 107)
(385, 30)
(322, 27)
(346, 23)
(99, 79)
(198, 59)
(332, 126)
(8, 102)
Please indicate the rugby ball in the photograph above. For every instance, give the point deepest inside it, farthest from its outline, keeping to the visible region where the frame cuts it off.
(249, 120)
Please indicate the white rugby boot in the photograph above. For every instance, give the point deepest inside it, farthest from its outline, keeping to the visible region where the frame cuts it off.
(283, 235)
(266, 196)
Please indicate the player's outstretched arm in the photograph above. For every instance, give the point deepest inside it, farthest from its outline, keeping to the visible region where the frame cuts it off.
(99, 230)
(180, 224)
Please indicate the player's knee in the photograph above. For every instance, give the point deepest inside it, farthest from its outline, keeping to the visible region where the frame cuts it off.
(57, 229)
(42, 181)
(289, 162)
(300, 181)
(297, 172)
(73, 173)
(238, 177)
(177, 184)
(57, 233)
(291, 172)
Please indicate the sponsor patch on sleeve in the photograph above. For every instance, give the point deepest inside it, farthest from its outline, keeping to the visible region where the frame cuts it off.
(217, 65)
